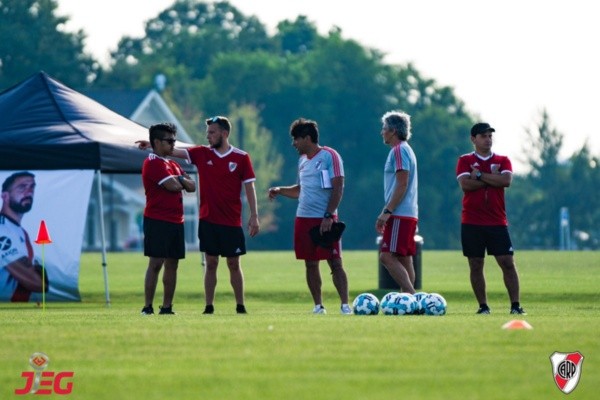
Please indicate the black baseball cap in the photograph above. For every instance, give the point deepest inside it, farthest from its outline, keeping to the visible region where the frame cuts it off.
(481, 127)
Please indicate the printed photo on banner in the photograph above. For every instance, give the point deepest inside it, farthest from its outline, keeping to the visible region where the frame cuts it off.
(60, 199)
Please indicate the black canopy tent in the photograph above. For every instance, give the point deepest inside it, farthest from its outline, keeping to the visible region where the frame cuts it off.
(47, 125)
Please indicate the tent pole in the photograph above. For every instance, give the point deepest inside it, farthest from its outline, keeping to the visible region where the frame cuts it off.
(102, 235)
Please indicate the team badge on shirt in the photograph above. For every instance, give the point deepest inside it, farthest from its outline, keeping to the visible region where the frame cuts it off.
(5, 243)
(232, 166)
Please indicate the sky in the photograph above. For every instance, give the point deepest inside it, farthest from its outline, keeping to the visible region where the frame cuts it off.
(508, 60)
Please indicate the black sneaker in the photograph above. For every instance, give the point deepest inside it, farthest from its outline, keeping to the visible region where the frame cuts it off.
(518, 310)
(484, 310)
(241, 309)
(148, 310)
(209, 309)
(166, 310)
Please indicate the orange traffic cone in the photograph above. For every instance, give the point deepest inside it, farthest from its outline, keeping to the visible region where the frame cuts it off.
(517, 324)
(43, 237)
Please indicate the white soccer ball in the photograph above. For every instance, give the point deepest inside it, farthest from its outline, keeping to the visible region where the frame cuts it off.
(395, 303)
(388, 303)
(434, 304)
(418, 297)
(365, 304)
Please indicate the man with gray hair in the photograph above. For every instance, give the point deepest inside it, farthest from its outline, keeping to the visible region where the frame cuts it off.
(397, 221)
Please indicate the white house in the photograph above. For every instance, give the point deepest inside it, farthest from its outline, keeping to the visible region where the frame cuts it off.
(123, 194)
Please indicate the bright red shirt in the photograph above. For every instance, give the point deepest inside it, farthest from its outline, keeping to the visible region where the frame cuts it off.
(161, 204)
(221, 178)
(484, 206)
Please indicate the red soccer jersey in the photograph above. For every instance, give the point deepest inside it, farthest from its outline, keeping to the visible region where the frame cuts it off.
(221, 179)
(160, 203)
(484, 206)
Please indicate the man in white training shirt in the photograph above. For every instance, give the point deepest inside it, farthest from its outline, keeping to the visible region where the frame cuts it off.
(319, 192)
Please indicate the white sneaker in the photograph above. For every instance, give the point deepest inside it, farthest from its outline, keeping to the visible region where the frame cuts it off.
(345, 309)
(319, 309)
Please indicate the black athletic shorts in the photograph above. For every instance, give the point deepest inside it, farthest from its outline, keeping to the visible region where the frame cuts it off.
(477, 238)
(163, 239)
(221, 240)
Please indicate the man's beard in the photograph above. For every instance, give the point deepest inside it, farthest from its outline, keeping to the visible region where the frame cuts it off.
(217, 144)
(20, 208)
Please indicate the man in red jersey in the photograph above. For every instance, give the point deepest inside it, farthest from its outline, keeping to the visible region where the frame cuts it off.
(483, 175)
(164, 242)
(223, 169)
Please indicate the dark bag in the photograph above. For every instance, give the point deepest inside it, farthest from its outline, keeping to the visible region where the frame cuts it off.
(327, 239)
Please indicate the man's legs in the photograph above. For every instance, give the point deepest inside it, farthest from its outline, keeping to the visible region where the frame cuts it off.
(169, 281)
(340, 280)
(511, 276)
(236, 278)
(399, 271)
(478, 279)
(151, 280)
(407, 263)
(313, 279)
(210, 279)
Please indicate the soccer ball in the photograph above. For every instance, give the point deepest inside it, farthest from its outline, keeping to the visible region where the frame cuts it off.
(418, 297)
(388, 303)
(395, 303)
(434, 304)
(365, 304)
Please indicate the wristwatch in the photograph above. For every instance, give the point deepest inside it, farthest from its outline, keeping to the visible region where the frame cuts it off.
(327, 215)
(478, 175)
(386, 211)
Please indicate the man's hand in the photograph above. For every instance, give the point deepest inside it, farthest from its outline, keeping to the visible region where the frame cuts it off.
(274, 192)
(253, 225)
(143, 144)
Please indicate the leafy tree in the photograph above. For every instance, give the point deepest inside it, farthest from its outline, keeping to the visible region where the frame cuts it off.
(537, 198)
(342, 85)
(297, 36)
(192, 33)
(248, 134)
(584, 198)
(33, 39)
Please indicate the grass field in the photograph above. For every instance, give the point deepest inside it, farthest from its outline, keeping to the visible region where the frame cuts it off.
(281, 351)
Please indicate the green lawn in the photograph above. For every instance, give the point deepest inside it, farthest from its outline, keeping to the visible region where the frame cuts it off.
(281, 351)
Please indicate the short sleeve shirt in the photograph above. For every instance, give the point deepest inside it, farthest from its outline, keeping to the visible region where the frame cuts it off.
(402, 158)
(485, 206)
(314, 177)
(161, 203)
(221, 179)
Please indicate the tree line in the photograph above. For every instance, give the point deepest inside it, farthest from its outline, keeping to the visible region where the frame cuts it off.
(219, 61)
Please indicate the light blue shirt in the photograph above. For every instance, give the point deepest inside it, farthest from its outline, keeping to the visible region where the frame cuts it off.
(402, 158)
(314, 178)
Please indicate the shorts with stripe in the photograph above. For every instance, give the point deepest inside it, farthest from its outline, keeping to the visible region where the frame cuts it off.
(399, 236)
(163, 239)
(304, 246)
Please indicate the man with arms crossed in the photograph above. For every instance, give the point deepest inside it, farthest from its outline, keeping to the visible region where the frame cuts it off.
(164, 241)
(223, 169)
(482, 176)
